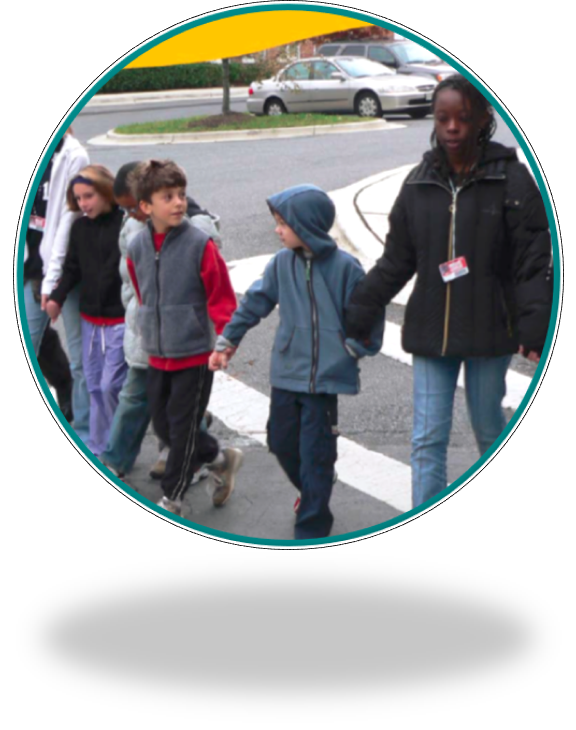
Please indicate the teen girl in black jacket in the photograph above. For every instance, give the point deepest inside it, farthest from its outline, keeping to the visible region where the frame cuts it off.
(471, 224)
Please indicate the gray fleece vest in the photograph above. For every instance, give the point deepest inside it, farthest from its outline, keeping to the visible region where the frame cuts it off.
(173, 318)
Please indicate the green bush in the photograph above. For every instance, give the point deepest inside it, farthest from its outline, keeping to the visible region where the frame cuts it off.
(185, 76)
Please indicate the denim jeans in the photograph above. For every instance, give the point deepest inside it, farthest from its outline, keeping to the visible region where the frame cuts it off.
(435, 381)
(80, 397)
(130, 422)
(37, 322)
(36, 318)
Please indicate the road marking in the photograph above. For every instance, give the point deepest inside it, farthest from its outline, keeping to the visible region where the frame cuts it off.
(367, 471)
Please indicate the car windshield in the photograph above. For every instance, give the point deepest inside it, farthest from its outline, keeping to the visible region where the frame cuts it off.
(413, 53)
(358, 67)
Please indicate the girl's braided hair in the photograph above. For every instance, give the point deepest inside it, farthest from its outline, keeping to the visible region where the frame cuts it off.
(480, 110)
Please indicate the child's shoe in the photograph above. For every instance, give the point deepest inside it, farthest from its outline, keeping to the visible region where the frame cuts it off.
(171, 505)
(116, 472)
(157, 471)
(223, 475)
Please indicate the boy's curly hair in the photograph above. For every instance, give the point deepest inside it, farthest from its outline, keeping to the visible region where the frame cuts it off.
(152, 175)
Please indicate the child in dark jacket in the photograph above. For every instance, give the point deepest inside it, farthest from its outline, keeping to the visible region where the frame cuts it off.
(92, 261)
(311, 280)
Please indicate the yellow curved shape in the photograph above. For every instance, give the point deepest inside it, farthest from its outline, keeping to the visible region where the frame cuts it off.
(242, 34)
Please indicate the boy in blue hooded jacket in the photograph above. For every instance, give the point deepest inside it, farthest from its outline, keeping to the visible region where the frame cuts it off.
(311, 280)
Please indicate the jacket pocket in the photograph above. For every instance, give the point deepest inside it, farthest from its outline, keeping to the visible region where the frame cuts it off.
(182, 333)
(148, 328)
(293, 357)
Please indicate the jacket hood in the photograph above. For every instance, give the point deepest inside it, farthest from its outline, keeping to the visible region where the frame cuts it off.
(192, 208)
(310, 213)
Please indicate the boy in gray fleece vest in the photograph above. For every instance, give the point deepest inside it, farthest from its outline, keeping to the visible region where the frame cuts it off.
(185, 298)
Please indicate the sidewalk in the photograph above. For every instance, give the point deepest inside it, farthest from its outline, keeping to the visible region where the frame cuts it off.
(363, 209)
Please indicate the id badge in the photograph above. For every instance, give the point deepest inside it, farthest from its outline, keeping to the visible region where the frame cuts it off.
(37, 223)
(454, 269)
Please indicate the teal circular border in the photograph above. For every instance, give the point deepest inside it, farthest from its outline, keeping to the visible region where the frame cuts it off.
(556, 251)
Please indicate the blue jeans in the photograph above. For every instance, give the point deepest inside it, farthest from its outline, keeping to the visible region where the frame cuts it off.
(80, 397)
(129, 424)
(435, 382)
(37, 322)
(36, 318)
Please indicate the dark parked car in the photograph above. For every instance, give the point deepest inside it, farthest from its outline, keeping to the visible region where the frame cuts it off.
(405, 57)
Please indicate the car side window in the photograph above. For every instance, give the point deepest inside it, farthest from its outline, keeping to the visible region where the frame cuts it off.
(323, 70)
(382, 55)
(356, 50)
(297, 72)
(328, 50)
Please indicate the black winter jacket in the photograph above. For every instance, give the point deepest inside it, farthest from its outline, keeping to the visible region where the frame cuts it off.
(93, 260)
(497, 221)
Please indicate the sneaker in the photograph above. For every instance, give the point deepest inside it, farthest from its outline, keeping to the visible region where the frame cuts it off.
(171, 505)
(201, 474)
(223, 476)
(157, 471)
(116, 472)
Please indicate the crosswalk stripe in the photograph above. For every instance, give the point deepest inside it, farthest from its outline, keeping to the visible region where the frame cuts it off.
(367, 471)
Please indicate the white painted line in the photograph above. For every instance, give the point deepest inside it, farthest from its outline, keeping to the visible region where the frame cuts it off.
(367, 471)
(244, 272)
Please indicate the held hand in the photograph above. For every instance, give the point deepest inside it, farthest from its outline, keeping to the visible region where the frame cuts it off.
(220, 360)
(529, 355)
(43, 302)
(53, 309)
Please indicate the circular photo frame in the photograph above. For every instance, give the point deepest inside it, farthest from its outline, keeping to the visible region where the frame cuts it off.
(250, 102)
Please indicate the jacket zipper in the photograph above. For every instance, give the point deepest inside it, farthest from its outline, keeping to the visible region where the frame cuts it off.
(157, 260)
(451, 255)
(451, 241)
(314, 316)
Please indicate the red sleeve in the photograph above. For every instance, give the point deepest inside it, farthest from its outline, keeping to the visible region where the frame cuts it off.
(132, 272)
(219, 291)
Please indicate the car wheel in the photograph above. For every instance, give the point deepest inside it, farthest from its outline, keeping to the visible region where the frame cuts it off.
(419, 113)
(368, 105)
(274, 108)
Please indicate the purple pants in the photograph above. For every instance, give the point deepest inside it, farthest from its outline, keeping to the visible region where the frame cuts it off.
(105, 370)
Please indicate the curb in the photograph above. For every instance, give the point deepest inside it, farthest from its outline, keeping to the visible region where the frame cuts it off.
(112, 138)
(149, 97)
(351, 228)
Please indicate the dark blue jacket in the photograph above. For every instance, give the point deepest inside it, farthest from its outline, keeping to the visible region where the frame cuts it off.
(309, 353)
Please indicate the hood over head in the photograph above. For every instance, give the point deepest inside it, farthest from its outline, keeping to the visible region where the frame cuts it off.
(310, 213)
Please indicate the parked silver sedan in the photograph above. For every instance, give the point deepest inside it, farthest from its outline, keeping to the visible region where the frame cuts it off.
(343, 84)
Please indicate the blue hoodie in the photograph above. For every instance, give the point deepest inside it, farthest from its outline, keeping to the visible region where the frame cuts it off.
(310, 353)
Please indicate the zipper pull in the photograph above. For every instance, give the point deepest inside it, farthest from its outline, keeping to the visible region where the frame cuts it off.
(308, 264)
(157, 255)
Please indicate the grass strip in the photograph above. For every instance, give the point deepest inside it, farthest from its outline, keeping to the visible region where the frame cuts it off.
(235, 121)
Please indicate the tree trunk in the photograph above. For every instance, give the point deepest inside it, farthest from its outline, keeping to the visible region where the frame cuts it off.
(225, 86)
